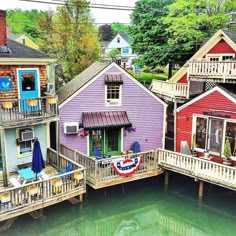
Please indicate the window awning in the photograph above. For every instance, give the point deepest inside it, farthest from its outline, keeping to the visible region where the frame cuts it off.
(113, 79)
(98, 120)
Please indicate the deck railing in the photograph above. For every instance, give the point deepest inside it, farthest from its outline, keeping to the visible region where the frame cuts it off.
(198, 168)
(169, 88)
(44, 191)
(101, 171)
(209, 70)
(17, 110)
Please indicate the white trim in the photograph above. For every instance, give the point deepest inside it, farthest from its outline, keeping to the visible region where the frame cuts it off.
(88, 144)
(219, 55)
(121, 139)
(101, 73)
(47, 124)
(25, 61)
(104, 140)
(18, 79)
(119, 101)
(206, 94)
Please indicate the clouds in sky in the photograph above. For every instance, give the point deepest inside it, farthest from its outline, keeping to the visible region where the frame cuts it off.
(100, 15)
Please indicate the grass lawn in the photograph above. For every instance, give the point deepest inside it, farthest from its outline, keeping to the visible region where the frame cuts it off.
(146, 78)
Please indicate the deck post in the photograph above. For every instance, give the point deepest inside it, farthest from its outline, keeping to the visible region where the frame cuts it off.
(200, 192)
(57, 141)
(3, 154)
(166, 178)
(175, 108)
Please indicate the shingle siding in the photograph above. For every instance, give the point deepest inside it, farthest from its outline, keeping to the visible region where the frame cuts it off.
(144, 112)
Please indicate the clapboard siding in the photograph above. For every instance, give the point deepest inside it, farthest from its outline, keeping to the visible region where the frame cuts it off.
(144, 111)
(221, 47)
(213, 101)
(11, 153)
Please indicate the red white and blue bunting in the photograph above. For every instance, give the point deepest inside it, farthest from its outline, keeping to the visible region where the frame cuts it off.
(127, 167)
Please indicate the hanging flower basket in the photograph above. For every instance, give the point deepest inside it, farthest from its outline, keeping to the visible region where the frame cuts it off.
(7, 104)
(52, 100)
(32, 102)
(5, 197)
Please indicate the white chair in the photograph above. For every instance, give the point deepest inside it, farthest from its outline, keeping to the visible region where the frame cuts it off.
(14, 182)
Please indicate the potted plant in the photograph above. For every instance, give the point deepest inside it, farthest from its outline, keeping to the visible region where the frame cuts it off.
(227, 153)
(56, 185)
(52, 100)
(7, 104)
(33, 189)
(32, 102)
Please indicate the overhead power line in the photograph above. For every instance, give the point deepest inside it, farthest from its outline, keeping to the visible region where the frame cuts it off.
(90, 5)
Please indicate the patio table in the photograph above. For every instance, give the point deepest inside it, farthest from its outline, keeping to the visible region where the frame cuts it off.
(28, 175)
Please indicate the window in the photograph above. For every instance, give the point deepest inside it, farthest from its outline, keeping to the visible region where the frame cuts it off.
(118, 39)
(125, 50)
(96, 140)
(25, 146)
(23, 41)
(201, 132)
(113, 94)
(28, 81)
(227, 58)
(112, 136)
(230, 134)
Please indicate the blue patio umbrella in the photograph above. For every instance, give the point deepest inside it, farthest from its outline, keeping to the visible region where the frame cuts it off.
(37, 159)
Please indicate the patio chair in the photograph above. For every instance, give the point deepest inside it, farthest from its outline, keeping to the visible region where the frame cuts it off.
(135, 147)
(98, 155)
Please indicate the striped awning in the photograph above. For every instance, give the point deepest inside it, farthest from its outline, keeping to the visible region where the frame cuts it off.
(101, 120)
(113, 79)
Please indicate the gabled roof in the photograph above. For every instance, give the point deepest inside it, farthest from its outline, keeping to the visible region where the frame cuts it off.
(14, 36)
(18, 50)
(125, 37)
(227, 93)
(79, 81)
(228, 36)
(76, 85)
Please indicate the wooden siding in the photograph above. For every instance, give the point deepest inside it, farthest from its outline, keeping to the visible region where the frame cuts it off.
(214, 101)
(221, 47)
(11, 147)
(183, 79)
(144, 112)
(11, 71)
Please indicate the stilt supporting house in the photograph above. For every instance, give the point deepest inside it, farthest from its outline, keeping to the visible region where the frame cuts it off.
(201, 189)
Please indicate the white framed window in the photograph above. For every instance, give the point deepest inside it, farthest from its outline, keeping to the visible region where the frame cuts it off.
(24, 144)
(113, 93)
(219, 57)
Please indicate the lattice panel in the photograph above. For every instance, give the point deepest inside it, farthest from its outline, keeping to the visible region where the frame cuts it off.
(209, 85)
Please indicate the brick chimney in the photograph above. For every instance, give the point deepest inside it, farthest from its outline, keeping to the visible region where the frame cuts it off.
(3, 28)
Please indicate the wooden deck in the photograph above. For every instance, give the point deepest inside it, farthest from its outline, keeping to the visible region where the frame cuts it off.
(199, 169)
(17, 111)
(170, 90)
(212, 71)
(100, 173)
(36, 195)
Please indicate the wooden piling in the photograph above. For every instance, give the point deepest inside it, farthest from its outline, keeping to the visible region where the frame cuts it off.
(166, 178)
(200, 192)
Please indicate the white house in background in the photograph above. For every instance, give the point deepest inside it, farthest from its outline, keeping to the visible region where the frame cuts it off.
(122, 42)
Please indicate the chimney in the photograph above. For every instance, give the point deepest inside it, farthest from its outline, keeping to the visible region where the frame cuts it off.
(3, 28)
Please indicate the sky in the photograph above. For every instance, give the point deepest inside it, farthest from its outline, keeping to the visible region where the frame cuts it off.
(100, 15)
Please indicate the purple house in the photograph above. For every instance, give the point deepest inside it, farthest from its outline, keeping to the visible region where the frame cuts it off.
(104, 107)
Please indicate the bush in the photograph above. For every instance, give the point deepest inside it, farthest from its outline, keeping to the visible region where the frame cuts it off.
(159, 70)
(146, 69)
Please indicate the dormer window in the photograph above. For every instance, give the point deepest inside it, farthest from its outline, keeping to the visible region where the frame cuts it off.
(113, 88)
(118, 39)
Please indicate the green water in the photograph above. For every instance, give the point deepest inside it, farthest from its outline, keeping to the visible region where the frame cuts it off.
(144, 209)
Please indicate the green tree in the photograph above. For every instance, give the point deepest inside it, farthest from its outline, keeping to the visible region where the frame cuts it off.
(69, 35)
(114, 53)
(118, 27)
(147, 30)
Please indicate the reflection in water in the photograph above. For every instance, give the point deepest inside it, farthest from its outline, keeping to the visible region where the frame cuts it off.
(138, 212)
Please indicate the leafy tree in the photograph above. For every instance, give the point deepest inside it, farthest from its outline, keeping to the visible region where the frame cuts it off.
(105, 32)
(120, 28)
(147, 30)
(69, 35)
(114, 53)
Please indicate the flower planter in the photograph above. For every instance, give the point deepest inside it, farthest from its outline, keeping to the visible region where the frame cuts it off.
(52, 100)
(7, 104)
(5, 197)
(32, 102)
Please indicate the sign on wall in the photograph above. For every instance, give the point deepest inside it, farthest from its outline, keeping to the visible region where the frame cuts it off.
(5, 84)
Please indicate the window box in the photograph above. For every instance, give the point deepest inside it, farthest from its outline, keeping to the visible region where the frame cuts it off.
(32, 102)
(52, 100)
(7, 104)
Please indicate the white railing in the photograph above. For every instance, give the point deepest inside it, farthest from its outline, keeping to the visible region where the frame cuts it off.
(169, 88)
(18, 110)
(212, 69)
(198, 168)
(44, 190)
(101, 171)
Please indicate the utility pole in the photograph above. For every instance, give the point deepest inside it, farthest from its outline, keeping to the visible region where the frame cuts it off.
(231, 22)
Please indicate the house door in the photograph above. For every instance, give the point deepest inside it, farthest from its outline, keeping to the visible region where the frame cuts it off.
(215, 136)
(113, 141)
(28, 83)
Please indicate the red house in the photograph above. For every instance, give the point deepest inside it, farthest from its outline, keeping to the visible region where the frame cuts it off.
(207, 121)
(212, 65)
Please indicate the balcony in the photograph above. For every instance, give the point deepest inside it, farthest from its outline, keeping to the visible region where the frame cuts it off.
(212, 71)
(47, 190)
(18, 111)
(170, 90)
